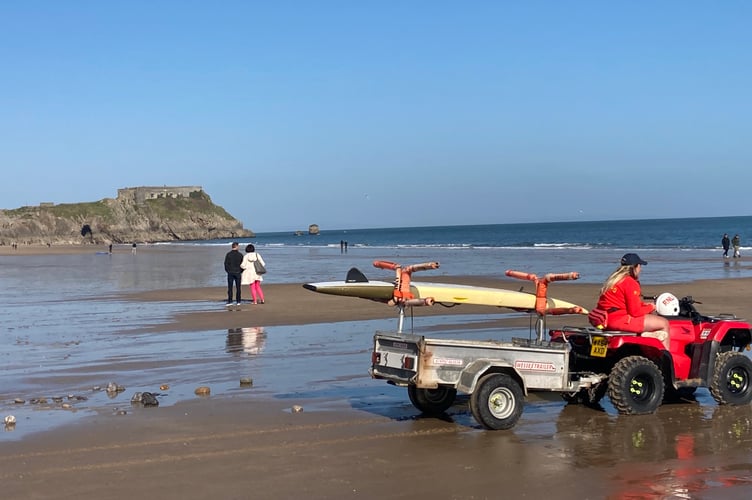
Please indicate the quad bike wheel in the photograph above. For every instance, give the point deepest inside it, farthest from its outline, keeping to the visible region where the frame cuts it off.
(731, 383)
(432, 401)
(497, 401)
(635, 386)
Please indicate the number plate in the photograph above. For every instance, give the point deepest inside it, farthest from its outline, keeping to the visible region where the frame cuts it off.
(599, 347)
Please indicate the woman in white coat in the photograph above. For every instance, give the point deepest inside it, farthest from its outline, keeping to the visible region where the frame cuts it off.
(250, 276)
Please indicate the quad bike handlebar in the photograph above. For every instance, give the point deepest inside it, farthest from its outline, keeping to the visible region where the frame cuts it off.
(688, 299)
(687, 307)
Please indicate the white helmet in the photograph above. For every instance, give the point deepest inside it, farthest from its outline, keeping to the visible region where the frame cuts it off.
(667, 305)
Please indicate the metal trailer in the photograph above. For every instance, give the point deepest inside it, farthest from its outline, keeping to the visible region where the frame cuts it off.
(582, 364)
(497, 375)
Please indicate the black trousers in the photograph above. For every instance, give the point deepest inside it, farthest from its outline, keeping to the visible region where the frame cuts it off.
(233, 278)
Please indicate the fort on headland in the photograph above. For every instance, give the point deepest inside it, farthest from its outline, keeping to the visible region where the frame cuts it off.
(143, 214)
(142, 193)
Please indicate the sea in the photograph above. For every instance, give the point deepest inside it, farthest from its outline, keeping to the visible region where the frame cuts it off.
(677, 250)
(66, 330)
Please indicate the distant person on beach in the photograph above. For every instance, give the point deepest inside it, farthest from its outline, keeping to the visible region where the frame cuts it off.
(110, 247)
(341, 246)
(621, 299)
(233, 259)
(133, 248)
(737, 243)
(725, 243)
(250, 276)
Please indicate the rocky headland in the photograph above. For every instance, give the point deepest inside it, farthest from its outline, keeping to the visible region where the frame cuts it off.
(140, 214)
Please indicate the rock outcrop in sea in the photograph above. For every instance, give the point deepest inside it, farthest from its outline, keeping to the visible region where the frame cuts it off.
(139, 214)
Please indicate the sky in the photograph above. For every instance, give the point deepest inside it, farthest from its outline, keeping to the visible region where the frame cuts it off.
(383, 113)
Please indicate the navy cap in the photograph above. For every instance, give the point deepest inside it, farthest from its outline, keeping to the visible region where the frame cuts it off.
(632, 259)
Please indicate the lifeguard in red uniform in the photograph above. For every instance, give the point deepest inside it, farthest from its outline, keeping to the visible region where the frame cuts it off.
(621, 298)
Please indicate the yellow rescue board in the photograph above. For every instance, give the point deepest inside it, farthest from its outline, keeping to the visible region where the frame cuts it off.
(445, 293)
(486, 296)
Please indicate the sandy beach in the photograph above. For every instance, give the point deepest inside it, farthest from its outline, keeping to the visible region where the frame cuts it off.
(362, 438)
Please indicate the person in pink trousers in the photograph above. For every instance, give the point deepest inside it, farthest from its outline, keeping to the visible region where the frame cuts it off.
(250, 276)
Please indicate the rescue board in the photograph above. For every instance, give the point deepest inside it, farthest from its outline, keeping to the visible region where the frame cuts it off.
(444, 293)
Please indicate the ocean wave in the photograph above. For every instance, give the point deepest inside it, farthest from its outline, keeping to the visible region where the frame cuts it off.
(542, 246)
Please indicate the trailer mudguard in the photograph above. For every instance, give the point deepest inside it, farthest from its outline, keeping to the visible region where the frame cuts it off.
(475, 370)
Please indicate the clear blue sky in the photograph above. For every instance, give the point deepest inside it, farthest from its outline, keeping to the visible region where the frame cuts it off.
(352, 114)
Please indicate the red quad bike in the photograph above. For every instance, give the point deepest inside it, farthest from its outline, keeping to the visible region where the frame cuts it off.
(704, 351)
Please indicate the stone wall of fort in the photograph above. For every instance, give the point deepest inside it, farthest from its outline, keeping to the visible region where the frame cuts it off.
(143, 193)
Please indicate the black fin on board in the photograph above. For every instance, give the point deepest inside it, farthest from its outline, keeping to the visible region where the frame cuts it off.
(355, 276)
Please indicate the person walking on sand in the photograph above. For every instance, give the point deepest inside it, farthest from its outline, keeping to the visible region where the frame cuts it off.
(725, 243)
(251, 276)
(233, 259)
(737, 243)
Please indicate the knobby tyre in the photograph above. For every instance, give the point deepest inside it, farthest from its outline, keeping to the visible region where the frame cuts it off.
(635, 386)
(731, 383)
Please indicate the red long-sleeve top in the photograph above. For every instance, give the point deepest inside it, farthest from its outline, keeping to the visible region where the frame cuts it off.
(624, 299)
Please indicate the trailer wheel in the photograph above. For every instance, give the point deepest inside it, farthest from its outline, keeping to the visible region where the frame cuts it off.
(497, 401)
(731, 383)
(635, 386)
(432, 401)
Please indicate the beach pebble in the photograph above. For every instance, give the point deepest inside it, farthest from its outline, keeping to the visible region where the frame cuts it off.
(164, 387)
(67, 406)
(112, 387)
(121, 412)
(297, 408)
(96, 388)
(57, 399)
(202, 391)
(246, 381)
(9, 420)
(19, 401)
(149, 399)
(136, 397)
(38, 401)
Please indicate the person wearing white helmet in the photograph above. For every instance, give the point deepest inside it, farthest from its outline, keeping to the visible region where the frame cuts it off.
(621, 298)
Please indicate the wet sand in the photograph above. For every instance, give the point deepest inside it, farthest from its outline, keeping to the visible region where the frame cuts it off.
(365, 440)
